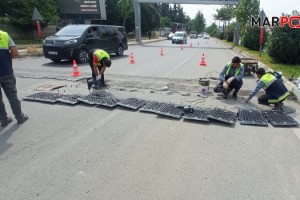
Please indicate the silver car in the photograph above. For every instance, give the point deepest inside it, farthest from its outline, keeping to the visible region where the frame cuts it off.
(179, 37)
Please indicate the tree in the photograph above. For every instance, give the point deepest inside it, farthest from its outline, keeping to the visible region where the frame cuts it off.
(125, 8)
(225, 13)
(198, 23)
(212, 29)
(20, 12)
(149, 17)
(165, 22)
(244, 11)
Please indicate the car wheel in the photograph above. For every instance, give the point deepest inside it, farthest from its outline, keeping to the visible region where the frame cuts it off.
(82, 56)
(120, 51)
(56, 60)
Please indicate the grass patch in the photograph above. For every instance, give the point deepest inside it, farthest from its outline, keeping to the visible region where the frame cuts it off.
(288, 71)
(27, 42)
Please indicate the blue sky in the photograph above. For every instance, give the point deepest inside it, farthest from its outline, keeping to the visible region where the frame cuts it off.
(271, 8)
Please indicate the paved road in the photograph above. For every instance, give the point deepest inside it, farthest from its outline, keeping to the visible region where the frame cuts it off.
(85, 152)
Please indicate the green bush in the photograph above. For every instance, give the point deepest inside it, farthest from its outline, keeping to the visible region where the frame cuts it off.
(229, 36)
(284, 45)
(251, 38)
(221, 36)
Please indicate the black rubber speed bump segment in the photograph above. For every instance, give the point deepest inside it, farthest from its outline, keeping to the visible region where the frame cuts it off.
(198, 114)
(44, 97)
(252, 117)
(132, 103)
(222, 115)
(278, 118)
(170, 110)
(108, 102)
(166, 109)
(99, 100)
(70, 99)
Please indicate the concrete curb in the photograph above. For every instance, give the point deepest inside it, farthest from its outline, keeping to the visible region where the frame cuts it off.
(24, 53)
(290, 86)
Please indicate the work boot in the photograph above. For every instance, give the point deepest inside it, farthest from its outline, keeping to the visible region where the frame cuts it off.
(225, 93)
(5, 122)
(278, 106)
(234, 95)
(22, 119)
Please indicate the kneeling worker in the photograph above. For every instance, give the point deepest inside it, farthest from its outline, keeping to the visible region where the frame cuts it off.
(98, 61)
(231, 77)
(276, 92)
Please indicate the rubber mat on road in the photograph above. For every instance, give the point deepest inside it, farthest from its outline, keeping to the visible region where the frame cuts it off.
(99, 100)
(70, 99)
(44, 97)
(160, 108)
(198, 114)
(132, 103)
(252, 117)
(222, 115)
(278, 118)
(170, 110)
(109, 102)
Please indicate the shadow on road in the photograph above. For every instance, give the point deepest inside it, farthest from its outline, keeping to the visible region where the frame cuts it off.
(4, 136)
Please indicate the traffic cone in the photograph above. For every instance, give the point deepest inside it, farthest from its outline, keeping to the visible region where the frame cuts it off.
(75, 69)
(203, 63)
(161, 52)
(191, 45)
(131, 59)
(181, 47)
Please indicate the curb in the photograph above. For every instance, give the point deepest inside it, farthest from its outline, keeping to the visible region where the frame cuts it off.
(290, 86)
(23, 48)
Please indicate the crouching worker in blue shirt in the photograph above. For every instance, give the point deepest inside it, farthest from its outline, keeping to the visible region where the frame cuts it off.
(231, 78)
(275, 90)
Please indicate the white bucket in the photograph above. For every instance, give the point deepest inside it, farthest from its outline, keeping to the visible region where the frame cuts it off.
(203, 89)
(203, 85)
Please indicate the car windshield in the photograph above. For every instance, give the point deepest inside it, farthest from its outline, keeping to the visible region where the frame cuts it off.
(178, 34)
(71, 31)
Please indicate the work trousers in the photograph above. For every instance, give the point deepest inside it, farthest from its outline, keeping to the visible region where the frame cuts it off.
(8, 85)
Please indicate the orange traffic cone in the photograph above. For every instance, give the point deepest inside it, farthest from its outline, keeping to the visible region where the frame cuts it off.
(161, 52)
(191, 45)
(131, 59)
(181, 47)
(203, 63)
(75, 69)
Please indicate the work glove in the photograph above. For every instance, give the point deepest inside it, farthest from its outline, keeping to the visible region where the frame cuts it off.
(230, 80)
(225, 85)
(98, 78)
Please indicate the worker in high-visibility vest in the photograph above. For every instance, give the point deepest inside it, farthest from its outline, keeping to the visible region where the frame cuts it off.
(8, 50)
(231, 78)
(99, 60)
(276, 92)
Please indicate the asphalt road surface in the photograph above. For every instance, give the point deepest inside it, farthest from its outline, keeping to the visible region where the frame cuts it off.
(80, 152)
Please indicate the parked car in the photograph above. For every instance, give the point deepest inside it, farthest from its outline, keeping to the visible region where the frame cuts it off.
(193, 34)
(179, 37)
(74, 42)
(206, 37)
(170, 36)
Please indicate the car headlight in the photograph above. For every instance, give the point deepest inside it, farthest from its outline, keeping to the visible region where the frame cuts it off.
(70, 41)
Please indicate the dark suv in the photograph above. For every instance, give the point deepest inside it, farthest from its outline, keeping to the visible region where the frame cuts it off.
(74, 42)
